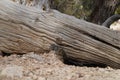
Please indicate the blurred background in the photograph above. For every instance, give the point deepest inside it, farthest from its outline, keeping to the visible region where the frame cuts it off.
(95, 11)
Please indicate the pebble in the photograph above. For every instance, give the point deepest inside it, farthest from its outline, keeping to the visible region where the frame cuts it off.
(12, 71)
(41, 78)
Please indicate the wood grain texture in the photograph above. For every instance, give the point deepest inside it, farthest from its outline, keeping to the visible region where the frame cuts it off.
(26, 29)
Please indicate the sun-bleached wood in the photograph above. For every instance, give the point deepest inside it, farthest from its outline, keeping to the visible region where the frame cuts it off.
(26, 29)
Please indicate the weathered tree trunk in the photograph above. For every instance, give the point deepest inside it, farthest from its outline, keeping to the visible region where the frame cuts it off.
(25, 29)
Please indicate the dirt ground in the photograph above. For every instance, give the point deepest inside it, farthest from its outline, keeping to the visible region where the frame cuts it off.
(48, 67)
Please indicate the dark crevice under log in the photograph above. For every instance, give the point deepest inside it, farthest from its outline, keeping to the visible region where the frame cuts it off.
(26, 29)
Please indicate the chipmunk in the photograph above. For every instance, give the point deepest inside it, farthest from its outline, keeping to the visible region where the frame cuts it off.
(110, 20)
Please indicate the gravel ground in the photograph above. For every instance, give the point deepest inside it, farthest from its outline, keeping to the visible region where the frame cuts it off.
(48, 67)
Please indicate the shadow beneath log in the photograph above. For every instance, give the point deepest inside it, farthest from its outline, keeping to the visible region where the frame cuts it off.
(83, 63)
(3, 54)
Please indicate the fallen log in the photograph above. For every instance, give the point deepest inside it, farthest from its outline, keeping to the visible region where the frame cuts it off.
(26, 29)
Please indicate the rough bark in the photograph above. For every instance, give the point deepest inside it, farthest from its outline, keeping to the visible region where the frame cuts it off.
(26, 29)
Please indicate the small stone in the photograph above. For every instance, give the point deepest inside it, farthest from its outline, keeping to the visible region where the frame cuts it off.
(41, 78)
(34, 56)
(28, 78)
(30, 74)
(12, 71)
(34, 77)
